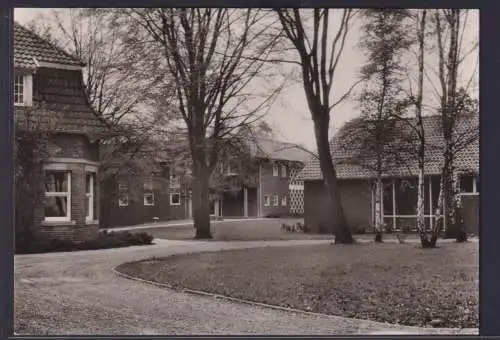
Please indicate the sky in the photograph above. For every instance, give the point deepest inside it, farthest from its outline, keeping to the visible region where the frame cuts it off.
(290, 117)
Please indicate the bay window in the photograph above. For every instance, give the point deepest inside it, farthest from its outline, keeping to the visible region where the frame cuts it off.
(57, 195)
(91, 195)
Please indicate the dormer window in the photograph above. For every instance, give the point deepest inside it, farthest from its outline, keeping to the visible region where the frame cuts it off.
(23, 89)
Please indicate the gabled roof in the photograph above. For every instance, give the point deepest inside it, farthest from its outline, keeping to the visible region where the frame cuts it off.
(29, 46)
(277, 150)
(347, 167)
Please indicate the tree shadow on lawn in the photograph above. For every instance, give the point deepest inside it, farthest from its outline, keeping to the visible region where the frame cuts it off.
(396, 283)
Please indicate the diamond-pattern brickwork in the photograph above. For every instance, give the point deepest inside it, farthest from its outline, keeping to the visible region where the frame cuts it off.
(296, 192)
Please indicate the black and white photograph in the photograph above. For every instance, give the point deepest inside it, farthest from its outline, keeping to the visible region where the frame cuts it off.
(246, 171)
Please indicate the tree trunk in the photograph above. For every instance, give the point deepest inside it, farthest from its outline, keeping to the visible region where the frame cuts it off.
(378, 209)
(454, 226)
(337, 220)
(201, 204)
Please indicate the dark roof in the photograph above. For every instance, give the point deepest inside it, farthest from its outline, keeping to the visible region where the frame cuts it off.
(277, 150)
(346, 166)
(28, 45)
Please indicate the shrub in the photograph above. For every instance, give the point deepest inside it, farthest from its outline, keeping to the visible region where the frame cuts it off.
(105, 240)
(359, 229)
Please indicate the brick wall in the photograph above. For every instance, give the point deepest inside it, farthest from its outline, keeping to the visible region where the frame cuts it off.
(59, 98)
(78, 228)
(274, 185)
(138, 213)
(74, 146)
(356, 201)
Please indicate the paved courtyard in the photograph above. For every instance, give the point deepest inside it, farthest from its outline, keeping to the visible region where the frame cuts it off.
(78, 293)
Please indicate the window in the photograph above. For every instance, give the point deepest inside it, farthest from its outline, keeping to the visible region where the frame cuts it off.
(230, 171)
(149, 197)
(469, 183)
(406, 196)
(275, 169)
(22, 90)
(123, 195)
(275, 200)
(57, 196)
(283, 170)
(91, 194)
(283, 201)
(175, 198)
(123, 199)
(267, 201)
(175, 181)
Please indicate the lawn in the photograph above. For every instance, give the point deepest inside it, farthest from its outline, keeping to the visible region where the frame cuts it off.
(396, 283)
(262, 230)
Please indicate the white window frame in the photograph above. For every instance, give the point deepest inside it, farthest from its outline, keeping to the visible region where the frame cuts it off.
(123, 192)
(474, 187)
(394, 216)
(229, 171)
(275, 170)
(149, 192)
(177, 184)
(121, 203)
(27, 83)
(267, 201)
(283, 201)
(91, 214)
(66, 194)
(283, 170)
(276, 200)
(172, 194)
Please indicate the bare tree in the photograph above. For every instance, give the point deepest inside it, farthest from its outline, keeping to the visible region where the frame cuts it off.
(450, 25)
(213, 57)
(319, 56)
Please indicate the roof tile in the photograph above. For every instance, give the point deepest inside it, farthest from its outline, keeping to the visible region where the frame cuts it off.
(28, 45)
(467, 159)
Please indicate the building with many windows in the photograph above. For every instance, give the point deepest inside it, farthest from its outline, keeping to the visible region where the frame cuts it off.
(269, 188)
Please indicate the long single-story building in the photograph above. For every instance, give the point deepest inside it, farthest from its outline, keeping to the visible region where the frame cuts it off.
(399, 202)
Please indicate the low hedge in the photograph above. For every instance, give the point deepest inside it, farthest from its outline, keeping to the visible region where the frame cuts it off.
(105, 240)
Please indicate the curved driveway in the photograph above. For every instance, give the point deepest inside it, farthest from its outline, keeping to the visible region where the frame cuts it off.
(78, 294)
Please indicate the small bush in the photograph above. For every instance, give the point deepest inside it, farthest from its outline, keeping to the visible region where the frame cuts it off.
(105, 240)
(359, 229)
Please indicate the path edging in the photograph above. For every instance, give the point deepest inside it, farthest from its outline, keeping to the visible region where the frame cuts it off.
(265, 305)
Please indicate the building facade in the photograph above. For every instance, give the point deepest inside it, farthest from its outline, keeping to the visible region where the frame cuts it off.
(269, 189)
(399, 199)
(49, 97)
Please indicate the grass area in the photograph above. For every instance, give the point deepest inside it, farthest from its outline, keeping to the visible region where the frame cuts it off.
(396, 283)
(262, 230)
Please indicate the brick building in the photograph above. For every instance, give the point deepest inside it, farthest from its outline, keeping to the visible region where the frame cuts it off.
(399, 203)
(269, 189)
(49, 94)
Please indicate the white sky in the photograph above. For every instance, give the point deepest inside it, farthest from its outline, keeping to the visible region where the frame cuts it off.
(290, 117)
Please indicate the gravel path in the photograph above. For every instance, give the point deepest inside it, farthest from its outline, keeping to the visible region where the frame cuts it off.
(78, 294)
